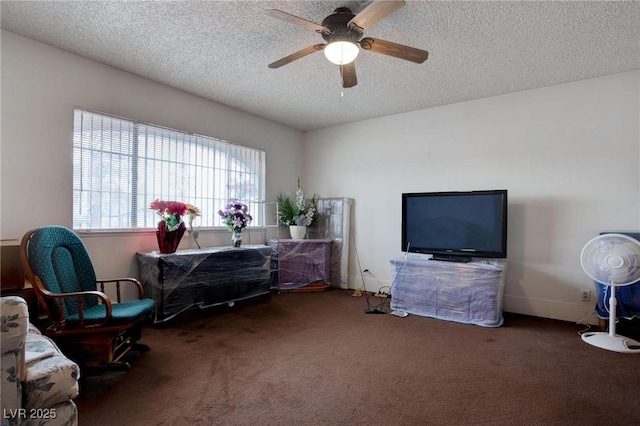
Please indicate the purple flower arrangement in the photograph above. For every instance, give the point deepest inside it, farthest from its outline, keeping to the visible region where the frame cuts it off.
(236, 216)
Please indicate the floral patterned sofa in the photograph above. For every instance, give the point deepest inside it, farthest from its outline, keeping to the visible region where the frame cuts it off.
(38, 381)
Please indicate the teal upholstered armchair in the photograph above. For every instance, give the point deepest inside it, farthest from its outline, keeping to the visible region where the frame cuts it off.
(92, 329)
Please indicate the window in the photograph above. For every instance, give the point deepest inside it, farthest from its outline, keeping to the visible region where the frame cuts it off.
(121, 166)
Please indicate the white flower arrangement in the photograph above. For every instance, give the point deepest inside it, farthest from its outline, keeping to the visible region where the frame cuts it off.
(298, 212)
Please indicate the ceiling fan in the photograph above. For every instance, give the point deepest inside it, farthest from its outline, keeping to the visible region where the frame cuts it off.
(343, 31)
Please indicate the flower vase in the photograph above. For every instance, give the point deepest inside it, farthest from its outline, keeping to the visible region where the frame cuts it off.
(297, 232)
(195, 232)
(168, 241)
(236, 239)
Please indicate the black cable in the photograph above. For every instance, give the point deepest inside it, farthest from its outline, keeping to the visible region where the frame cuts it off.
(369, 310)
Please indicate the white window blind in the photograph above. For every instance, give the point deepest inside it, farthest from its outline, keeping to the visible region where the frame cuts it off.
(121, 166)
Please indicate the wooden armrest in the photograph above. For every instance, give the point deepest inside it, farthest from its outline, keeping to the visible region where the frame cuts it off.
(117, 282)
(78, 295)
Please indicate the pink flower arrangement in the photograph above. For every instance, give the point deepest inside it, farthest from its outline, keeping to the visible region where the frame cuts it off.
(171, 226)
(171, 212)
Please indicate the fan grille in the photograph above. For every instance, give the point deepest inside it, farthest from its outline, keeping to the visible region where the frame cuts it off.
(612, 259)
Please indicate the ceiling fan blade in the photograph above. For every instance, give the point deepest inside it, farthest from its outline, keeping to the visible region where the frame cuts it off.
(374, 13)
(292, 19)
(348, 73)
(394, 49)
(299, 54)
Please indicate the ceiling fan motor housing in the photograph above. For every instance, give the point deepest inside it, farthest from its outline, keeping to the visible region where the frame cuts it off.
(337, 22)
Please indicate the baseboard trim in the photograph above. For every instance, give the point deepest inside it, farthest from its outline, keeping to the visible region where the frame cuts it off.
(574, 312)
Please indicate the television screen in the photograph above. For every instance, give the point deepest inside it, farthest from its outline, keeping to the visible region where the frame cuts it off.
(455, 225)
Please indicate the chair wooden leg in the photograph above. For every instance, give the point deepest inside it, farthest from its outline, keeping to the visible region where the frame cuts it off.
(99, 351)
(89, 351)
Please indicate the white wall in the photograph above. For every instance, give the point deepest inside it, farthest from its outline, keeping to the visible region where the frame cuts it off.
(569, 156)
(40, 87)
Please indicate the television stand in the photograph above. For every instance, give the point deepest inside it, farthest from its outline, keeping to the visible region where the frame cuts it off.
(452, 258)
(469, 293)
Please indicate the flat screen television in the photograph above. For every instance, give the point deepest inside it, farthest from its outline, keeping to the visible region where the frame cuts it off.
(456, 226)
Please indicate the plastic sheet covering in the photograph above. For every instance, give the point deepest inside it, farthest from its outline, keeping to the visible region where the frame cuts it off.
(627, 301)
(333, 220)
(469, 293)
(299, 263)
(627, 296)
(204, 277)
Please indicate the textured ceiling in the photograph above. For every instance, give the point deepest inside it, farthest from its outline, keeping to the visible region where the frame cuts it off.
(220, 50)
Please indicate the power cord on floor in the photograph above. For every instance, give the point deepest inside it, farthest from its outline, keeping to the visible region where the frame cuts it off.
(587, 325)
(384, 294)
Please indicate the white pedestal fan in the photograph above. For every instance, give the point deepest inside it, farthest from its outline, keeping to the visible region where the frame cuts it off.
(613, 260)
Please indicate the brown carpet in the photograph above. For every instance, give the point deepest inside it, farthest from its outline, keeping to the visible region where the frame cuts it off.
(317, 359)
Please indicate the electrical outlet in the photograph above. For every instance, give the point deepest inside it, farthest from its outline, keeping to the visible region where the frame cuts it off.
(585, 295)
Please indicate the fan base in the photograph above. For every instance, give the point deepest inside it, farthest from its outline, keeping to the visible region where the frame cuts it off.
(614, 343)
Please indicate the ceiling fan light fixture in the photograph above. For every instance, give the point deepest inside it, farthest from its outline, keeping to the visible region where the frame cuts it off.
(341, 52)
